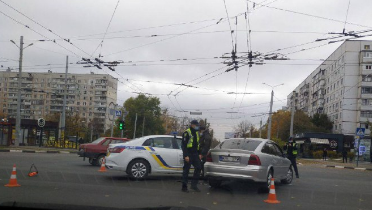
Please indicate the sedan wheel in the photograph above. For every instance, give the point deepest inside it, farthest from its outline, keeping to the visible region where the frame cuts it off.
(289, 177)
(265, 186)
(138, 169)
(91, 161)
(98, 161)
(215, 183)
(269, 177)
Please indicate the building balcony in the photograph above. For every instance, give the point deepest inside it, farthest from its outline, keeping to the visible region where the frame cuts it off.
(366, 107)
(366, 59)
(366, 96)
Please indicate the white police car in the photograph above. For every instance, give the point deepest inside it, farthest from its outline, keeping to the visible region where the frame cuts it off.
(150, 154)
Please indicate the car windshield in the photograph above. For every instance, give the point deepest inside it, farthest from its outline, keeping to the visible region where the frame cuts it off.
(243, 144)
(97, 141)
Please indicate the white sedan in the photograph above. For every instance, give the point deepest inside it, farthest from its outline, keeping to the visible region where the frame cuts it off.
(150, 154)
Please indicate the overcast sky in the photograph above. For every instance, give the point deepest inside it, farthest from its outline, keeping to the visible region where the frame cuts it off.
(185, 30)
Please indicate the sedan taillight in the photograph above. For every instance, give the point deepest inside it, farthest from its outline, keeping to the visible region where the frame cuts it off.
(254, 160)
(209, 157)
(116, 149)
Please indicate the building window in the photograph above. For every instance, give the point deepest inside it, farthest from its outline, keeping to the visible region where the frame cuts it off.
(367, 79)
(366, 90)
(368, 67)
(84, 103)
(368, 54)
(366, 47)
(367, 114)
(77, 103)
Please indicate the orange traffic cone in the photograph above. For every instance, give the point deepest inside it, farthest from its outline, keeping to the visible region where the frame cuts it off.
(103, 166)
(272, 195)
(13, 178)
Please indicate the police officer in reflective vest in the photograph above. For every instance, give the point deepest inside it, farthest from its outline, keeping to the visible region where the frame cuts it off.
(291, 148)
(191, 155)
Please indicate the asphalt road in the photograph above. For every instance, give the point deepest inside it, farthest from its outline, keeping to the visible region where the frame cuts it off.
(66, 179)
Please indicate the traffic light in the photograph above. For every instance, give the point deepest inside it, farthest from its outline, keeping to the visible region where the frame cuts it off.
(121, 125)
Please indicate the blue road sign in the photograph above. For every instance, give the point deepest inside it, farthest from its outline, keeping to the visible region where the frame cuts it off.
(360, 132)
(173, 133)
(118, 113)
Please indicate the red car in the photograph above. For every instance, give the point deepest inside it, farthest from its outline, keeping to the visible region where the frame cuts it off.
(96, 150)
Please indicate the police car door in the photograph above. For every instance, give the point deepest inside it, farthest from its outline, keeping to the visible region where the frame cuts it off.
(165, 155)
(177, 144)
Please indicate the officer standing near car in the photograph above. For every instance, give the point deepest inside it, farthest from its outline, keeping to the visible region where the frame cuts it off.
(191, 155)
(291, 148)
(205, 145)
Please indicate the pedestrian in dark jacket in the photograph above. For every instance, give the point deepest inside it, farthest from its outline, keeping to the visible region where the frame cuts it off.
(325, 153)
(205, 145)
(344, 155)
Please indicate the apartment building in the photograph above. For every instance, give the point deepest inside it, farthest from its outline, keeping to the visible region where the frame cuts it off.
(340, 87)
(88, 95)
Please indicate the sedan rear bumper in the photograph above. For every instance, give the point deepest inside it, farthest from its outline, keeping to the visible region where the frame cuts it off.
(222, 172)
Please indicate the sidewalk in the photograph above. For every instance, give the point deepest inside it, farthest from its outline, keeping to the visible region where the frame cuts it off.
(337, 163)
(36, 149)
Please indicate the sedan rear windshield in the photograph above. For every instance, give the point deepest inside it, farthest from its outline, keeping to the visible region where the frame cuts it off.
(98, 140)
(243, 144)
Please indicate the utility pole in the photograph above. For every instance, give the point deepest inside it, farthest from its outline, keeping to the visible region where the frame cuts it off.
(135, 127)
(143, 126)
(277, 129)
(63, 124)
(113, 120)
(270, 113)
(91, 131)
(271, 108)
(18, 120)
(166, 124)
(250, 131)
(260, 127)
(292, 113)
(122, 131)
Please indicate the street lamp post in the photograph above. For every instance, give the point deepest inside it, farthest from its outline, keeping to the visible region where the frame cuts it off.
(271, 108)
(113, 118)
(293, 107)
(18, 119)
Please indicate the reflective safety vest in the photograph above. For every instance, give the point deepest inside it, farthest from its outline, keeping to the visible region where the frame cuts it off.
(294, 150)
(191, 138)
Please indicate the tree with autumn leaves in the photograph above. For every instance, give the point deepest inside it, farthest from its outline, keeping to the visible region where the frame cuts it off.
(280, 125)
(281, 122)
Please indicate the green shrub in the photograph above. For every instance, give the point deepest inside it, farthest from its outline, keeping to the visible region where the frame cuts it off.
(333, 154)
(351, 155)
(318, 154)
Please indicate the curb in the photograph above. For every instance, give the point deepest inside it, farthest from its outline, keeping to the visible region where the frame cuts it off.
(38, 151)
(4, 150)
(348, 167)
(28, 151)
(53, 151)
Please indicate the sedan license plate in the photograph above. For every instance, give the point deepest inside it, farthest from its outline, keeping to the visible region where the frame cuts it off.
(229, 159)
